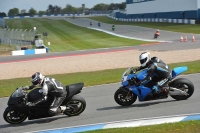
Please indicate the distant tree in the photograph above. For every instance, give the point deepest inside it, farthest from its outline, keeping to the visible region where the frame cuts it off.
(23, 11)
(115, 6)
(42, 12)
(70, 9)
(50, 9)
(101, 7)
(13, 12)
(3, 14)
(32, 11)
(80, 10)
(57, 9)
(122, 5)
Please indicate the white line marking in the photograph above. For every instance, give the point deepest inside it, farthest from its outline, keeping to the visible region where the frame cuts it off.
(161, 117)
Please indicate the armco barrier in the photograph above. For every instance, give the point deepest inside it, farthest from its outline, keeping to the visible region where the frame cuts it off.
(30, 52)
(52, 15)
(181, 21)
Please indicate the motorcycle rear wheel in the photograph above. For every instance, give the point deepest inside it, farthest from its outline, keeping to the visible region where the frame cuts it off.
(77, 105)
(184, 85)
(13, 116)
(124, 97)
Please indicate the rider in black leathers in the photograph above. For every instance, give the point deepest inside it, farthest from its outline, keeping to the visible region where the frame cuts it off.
(52, 87)
(158, 75)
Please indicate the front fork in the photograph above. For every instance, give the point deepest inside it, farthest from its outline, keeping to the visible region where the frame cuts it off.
(126, 93)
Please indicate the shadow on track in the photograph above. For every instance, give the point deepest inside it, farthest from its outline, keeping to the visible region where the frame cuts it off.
(37, 121)
(142, 104)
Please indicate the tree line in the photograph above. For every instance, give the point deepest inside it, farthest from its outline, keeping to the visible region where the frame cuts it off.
(68, 9)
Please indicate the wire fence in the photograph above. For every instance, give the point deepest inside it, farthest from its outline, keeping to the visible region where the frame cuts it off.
(16, 37)
(2, 23)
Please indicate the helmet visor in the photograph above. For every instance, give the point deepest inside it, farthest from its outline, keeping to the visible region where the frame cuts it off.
(35, 82)
(142, 61)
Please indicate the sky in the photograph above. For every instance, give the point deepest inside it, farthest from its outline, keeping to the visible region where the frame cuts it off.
(41, 5)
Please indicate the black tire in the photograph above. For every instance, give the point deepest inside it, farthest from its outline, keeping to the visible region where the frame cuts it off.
(77, 103)
(120, 95)
(179, 84)
(15, 114)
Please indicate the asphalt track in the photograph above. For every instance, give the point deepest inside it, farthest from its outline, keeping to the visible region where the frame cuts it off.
(132, 31)
(101, 107)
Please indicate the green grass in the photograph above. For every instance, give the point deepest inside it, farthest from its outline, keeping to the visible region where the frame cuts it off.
(89, 78)
(5, 49)
(179, 127)
(65, 36)
(185, 28)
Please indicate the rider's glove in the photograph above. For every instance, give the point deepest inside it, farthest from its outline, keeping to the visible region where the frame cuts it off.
(30, 104)
(134, 70)
(26, 88)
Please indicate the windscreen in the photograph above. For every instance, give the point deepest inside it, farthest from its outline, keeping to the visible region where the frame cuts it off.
(18, 93)
(128, 71)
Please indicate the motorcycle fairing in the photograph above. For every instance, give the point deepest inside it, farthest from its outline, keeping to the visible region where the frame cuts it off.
(179, 70)
(16, 97)
(126, 78)
(141, 91)
(142, 75)
(14, 100)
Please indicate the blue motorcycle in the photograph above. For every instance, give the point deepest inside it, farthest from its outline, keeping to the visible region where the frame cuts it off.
(179, 88)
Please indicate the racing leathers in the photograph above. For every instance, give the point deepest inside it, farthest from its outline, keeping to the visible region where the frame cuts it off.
(158, 75)
(52, 87)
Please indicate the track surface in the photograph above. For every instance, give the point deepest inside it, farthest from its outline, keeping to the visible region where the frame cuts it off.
(132, 31)
(101, 107)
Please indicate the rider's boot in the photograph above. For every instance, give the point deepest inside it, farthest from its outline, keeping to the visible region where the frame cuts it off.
(63, 108)
(156, 91)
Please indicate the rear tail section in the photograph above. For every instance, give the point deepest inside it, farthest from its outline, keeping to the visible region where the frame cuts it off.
(178, 70)
(73, 89)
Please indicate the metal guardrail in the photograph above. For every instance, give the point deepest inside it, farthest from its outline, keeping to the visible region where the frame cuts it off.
(167, 20)
(19, 37)
(16, 37)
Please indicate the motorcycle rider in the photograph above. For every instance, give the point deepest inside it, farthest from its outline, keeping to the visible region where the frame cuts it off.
(157, 34)
(158, 75)
(52, 87)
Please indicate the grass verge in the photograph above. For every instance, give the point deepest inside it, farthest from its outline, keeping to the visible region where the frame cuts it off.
(184, 28)
(179, 127)
(65, 36)
(6, 49)
(89, 78)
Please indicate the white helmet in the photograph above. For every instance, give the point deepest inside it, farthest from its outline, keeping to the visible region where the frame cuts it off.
(158, 30)
(144, 58)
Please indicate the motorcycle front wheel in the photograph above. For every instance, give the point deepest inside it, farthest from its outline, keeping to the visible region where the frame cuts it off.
(124, 97)
(13, 116)
(76, 106)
